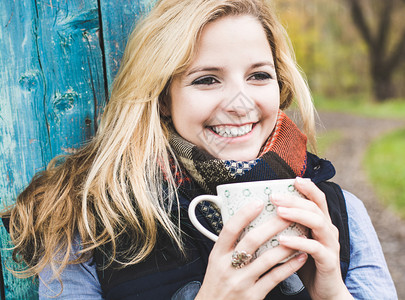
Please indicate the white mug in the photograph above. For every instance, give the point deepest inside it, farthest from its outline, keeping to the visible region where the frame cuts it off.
(231, 197)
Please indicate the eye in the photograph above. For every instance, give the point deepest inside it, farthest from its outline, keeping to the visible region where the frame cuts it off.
(260, 76)
(207, 80)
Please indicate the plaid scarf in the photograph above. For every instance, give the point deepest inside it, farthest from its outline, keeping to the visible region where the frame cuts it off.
(284, 155)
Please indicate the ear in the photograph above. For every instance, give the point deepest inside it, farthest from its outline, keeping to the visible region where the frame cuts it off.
(165, 104)
(165, 101)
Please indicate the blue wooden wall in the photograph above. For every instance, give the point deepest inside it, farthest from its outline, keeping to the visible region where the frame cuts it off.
(57, 61)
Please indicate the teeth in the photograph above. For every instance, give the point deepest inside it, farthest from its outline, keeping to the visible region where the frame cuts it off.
(232, 131)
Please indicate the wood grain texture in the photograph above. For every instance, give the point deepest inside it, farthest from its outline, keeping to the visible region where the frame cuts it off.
(118, 20)
(71, 64)
(23, 147)
(52, 83)
(57, 59)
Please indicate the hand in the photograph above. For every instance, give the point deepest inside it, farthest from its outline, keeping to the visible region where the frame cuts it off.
(321, 274)
(222, 281)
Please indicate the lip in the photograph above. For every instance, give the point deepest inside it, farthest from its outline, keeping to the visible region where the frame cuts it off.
(235, 125)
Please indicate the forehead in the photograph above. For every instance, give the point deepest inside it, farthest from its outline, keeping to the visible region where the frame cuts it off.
(243, 35)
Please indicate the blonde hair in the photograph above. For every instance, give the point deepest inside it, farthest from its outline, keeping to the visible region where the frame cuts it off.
(114, 185)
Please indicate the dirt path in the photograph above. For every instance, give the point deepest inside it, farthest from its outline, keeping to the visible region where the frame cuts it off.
(346, 155)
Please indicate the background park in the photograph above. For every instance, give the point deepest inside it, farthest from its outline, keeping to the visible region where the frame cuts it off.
(58, 59)
(353, 53)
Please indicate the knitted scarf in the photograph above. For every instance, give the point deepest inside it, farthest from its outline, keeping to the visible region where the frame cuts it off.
(283, 156)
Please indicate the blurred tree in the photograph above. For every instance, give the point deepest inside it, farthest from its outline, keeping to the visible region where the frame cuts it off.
(334, 56)
(328, 49)
(374, 19)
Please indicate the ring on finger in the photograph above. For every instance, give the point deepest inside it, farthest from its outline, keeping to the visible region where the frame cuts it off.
(240, 259)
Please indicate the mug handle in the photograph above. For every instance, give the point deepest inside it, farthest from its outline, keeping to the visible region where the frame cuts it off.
(191, 213)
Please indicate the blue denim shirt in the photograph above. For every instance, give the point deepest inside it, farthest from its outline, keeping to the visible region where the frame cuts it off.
(367, 278)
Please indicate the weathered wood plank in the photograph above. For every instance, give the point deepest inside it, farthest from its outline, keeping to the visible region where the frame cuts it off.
(118, 20)
(51, 93)
(71, 62)
(52, 87)
(23, 147)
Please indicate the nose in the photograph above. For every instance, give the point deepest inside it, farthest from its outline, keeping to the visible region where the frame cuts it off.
(239, 104)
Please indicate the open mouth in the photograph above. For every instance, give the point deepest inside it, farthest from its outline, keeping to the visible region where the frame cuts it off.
(232, 131)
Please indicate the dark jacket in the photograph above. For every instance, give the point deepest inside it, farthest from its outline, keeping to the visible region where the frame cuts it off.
(167, 274)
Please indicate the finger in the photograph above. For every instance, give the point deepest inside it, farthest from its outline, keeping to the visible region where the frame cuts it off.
(271, 258)
(261, 234)
(293, 201)
(312, 192)
(235, 225)
(320, 225)
(319, 252)
(301, 216)
(278, 274)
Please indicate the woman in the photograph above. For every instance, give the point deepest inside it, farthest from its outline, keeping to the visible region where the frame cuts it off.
(202, 87)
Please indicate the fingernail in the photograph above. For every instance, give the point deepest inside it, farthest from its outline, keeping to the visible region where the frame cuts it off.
(284, 238)
(282, 210)
(302, 257)
(274, 200)
(301, 180)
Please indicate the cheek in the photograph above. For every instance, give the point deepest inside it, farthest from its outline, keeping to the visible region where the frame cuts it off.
(186, 113)
(269, 102)
(189, 106)
(178, 103)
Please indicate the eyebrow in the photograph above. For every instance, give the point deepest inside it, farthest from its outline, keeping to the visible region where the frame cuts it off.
(216, 69)
(203, 69)
(263, 63)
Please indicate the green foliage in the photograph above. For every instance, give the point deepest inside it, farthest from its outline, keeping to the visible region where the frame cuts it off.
(330, 49)
(361, 105)
(384, 162)
(326, 45)
(335, 60)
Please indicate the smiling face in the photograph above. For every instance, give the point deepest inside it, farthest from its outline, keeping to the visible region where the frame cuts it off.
(227, 100)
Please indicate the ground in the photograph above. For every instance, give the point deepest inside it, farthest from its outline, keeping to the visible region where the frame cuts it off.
(347, 155)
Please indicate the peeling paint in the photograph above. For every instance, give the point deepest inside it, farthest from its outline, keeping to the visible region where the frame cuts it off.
(64, 102)
(83, 21)
(52, 87)
(69, 150)
(29, 80)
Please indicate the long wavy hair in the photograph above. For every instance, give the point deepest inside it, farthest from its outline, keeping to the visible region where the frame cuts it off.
(114, 187)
